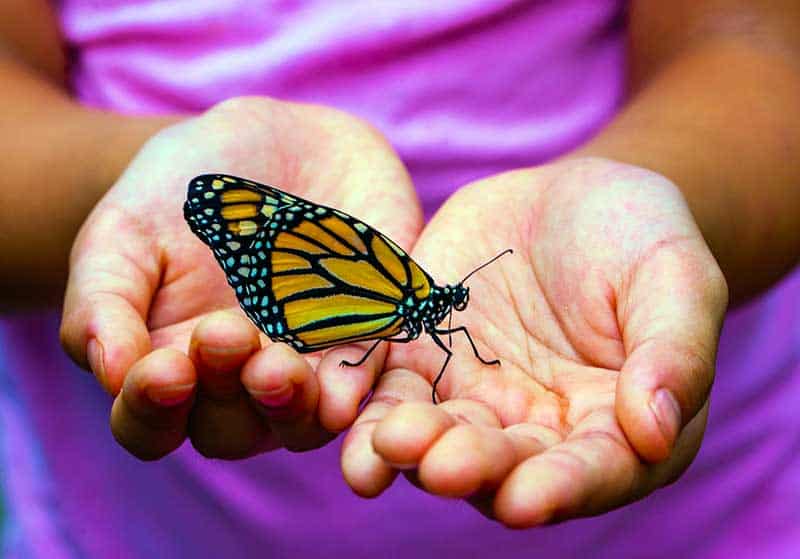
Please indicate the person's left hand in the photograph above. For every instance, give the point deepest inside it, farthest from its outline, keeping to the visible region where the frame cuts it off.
(149, 311)
(606, 320)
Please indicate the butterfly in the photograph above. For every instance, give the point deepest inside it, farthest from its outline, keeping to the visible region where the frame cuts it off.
(315, 277)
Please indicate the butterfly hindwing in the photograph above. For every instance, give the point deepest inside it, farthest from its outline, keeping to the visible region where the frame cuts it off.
(306, 274)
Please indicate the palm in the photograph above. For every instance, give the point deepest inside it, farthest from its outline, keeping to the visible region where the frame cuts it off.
(563, 314)
(286, 147)
(147, 283)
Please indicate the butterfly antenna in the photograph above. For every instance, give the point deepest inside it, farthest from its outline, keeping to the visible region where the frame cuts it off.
(506, 251)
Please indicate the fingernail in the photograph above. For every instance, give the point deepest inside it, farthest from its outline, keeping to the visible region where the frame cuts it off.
(275, 398)
(668, 414)
(94, 354)
(170, 395)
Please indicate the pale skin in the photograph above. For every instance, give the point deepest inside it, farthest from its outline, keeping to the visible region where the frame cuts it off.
(145, 298)
(606, 318)
(588, 320)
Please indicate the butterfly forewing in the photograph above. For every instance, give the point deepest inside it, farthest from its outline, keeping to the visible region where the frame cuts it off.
(306, 274)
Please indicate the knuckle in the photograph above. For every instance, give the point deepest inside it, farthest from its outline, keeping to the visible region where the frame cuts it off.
(70, 345)
(717, 287)
(135, 446)
(72, 339)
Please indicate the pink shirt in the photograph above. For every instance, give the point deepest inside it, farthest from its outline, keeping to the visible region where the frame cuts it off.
(463, 89)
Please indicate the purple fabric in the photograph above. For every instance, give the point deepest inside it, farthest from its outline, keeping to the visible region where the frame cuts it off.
(437, 77)
(463, 89)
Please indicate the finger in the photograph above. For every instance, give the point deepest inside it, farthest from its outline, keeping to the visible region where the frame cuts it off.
(220, 346)
(458, 448)
(475, 454)
(409, 429)
(671, 330)
(150, 414)
(223, 423)
(229, 429)
(473, 460)
(284, 389)
(593, 471)
(527, 439)
(364, 470)
(343, 388)
(465, 460)
(107, 299)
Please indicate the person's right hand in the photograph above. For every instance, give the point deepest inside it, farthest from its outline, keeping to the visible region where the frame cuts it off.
(148, 309)
(606, 320)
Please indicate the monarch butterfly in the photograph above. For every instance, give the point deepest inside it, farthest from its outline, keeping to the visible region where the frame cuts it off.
(314, 277)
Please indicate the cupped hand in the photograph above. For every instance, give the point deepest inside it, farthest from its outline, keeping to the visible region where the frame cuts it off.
(606, 321)
(149, 311)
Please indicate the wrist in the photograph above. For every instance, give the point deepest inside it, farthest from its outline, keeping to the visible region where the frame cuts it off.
(68, 158)
(114, 140)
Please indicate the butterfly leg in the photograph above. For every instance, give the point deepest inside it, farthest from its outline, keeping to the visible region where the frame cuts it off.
(370, 350)
(449, 353)
(474, 349)
(344, 363)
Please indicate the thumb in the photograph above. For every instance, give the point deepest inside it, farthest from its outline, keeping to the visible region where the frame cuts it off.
(111, 281)
(671, 322)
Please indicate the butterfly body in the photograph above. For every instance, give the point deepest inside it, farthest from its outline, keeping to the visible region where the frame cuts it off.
(312, 276)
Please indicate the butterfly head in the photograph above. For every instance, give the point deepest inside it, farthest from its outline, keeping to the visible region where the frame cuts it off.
(460, 296)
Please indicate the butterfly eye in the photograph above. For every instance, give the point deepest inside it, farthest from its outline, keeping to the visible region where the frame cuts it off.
(460, 298)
